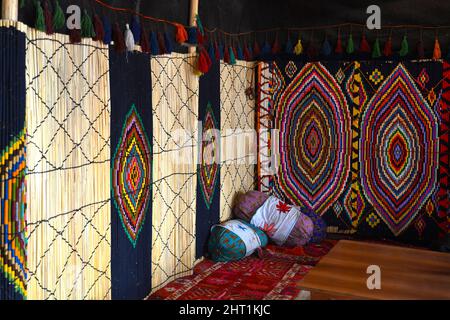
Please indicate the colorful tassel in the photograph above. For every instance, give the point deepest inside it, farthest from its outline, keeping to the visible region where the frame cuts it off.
(298, 49)
(154, 44)
(420, 50)
(234, 51)
(222, 52)
(240, 53)
(204, 61)
(48, 18)
(145, 45)
(226, 55)
(404, 48)
(256, 49)
(98, 28)
(376, 50)
(216, 51)
(199, 25)
(168, 43)
(135, 28)
(211, 51)
(40, 21)
(129, 38)
(311, 51)
(201, 38)
(276, 48)
(108, 32)
(364, 46)
(59, 19)
(250, 53)
(232, 56)
(387, 50)
(117, 35)
(75, 36)
(87, 28)
(181, 34)
(266, 48)
(339, 48)
(161, 44)
(326, 47)
(437, 50)
(247, 53)
(350, 45)
(289, 47)
(192, 35)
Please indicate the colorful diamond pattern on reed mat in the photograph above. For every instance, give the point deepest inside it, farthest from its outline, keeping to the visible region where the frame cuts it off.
(314, 122)
(13, 166)
(209, 167)
(399, 150)
(13, 239)
(131, 175)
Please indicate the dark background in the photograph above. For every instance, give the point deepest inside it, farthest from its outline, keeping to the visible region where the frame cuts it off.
(245, 15)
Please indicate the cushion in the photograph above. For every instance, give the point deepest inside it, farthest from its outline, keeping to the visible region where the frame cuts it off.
(283, 223)
(247, 204)
(234, 240)
(320, 227)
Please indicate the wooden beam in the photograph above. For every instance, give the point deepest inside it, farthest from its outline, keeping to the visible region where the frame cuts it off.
(10, 10)
(192, 14)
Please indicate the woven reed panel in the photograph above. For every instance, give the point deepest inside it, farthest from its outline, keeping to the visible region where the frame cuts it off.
(68, 150)
(238, 138)
(175, 113)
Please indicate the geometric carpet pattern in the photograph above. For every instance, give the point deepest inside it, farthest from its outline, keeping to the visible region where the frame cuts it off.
(399, 150)
(314, 122)
(131, 175)
(274, 276)
(360, 143)
(209, 168)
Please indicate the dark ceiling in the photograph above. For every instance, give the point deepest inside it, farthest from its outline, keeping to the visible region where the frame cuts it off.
(244, 15)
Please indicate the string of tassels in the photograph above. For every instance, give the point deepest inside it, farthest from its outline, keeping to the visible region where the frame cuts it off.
(230, 49)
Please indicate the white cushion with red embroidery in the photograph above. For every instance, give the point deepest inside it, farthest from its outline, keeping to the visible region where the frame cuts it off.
(276, 218)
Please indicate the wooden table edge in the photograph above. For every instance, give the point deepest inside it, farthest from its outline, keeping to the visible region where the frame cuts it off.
(360, 295)
(337, 295)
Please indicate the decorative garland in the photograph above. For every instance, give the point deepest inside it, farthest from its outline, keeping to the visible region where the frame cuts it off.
(228, 49)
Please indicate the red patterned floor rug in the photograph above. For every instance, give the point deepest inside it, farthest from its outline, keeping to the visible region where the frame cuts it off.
(274, 276)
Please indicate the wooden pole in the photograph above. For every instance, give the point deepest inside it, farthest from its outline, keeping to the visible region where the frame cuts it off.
(10, 10)
(193, 12)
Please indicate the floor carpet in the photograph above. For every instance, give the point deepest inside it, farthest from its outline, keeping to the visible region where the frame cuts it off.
(272, 276)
